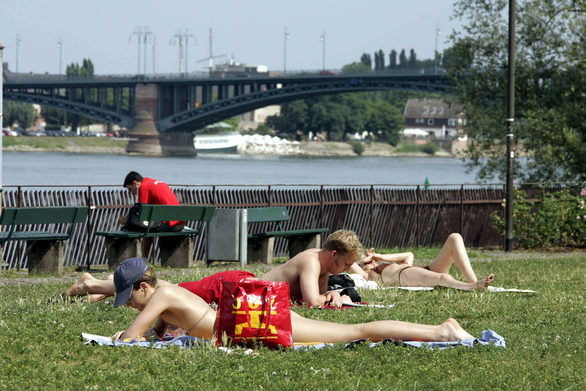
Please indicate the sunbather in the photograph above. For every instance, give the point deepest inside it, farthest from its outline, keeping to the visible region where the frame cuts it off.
(208, 288)
(307, 273)
(398, 270)
(136, 287)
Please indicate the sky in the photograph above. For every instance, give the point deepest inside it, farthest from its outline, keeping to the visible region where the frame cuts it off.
(250, 32)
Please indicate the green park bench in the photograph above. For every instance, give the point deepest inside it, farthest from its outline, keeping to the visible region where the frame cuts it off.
(176, 248)
(261, 244)
(44, 246)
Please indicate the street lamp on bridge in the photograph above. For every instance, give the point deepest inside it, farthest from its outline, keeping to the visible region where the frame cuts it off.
(138, 32)
(286, 37)
(18, 43)
(322, 38)
(60, 47)
(182, 39)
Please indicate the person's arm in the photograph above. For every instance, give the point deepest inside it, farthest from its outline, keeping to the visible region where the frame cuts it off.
(406, 258)
(310, 289)
(309, 285)
(160, 327)
(356, 269)
(155, 307)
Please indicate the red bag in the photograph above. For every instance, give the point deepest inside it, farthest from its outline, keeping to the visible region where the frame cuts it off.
(252, 311)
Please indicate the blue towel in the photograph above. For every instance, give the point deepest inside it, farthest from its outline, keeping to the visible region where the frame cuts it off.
(487, 337)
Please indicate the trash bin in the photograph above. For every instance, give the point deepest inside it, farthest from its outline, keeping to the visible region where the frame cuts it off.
(227, 236)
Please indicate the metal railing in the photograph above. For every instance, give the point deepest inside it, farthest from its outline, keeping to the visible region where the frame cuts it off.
(383, 216)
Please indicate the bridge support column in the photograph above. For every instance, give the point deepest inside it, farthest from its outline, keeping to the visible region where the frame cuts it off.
(177, 144)
(144, 137)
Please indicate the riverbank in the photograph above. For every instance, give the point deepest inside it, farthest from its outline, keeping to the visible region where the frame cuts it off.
(107, 145)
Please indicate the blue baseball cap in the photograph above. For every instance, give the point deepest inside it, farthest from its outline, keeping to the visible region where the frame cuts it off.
(126, 274)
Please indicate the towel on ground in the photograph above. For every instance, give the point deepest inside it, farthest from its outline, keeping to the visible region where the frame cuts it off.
(487, 337)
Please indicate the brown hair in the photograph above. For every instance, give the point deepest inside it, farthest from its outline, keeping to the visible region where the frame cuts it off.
(148, 277)
(346, 242)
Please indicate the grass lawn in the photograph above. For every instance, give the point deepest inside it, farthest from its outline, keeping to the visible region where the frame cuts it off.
(40, 346)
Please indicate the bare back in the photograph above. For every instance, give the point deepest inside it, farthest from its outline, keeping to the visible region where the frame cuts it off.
(177, 307)
(304, 274)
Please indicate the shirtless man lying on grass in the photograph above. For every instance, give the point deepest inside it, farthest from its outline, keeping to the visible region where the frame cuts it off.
(307, 273)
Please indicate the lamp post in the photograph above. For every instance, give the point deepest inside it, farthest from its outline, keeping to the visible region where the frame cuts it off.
(178, 39)
(147, 35)
(323, 55)
(18, 44)
(60, 47)
(436, 54)
(286, 37)
(154, 42)
(510, 130)
(138, 32)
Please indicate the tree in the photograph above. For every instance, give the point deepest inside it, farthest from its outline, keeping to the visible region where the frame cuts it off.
(412, 59)
(17, 112)
(379, 60)
(385, 121)
(355, 67)
(293, 118)
(550, 86)
(366, 60)
(402, 59)
(73, 70)
(393, 59)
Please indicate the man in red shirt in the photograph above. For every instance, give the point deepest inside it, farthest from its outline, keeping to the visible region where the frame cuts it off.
(149, 191)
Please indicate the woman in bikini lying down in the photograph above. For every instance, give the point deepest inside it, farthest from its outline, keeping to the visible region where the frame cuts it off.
(136, 287)
(398, 269)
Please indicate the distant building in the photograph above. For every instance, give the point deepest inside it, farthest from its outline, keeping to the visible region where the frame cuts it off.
(438, 118)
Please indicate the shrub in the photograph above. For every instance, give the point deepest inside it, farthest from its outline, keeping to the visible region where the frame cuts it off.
(357, 148)
(430, 148)
(554, 219)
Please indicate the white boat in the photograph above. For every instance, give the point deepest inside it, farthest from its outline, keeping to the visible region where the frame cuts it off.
(217, 143)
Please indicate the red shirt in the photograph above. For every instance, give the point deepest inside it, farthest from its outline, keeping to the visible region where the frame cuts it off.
(155, 192)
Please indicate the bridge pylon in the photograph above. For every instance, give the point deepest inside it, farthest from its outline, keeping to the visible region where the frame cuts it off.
(145, 139)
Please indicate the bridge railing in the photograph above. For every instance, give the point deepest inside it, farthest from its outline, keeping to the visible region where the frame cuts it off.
(383, 216)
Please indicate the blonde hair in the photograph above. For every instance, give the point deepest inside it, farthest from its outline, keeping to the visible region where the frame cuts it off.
(346, 242)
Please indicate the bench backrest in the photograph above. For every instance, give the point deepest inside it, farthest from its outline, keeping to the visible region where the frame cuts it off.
(43, 215)
(152, 213)
(263, 215)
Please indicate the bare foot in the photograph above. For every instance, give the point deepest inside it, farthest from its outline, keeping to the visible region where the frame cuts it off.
(455, 332)
(480, 285)
(77, 289)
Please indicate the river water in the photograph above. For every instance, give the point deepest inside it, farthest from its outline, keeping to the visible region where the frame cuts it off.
(53, 168)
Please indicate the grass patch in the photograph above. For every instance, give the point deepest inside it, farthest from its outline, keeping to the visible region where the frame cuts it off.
(62, 143)
(41, 349)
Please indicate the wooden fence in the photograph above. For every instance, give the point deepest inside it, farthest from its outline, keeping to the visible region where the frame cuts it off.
(383, 216)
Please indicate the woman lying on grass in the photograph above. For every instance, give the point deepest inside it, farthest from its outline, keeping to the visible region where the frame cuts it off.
(398, 269)
(136, 287)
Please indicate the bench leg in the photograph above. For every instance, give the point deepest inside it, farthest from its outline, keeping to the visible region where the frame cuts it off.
(260, 250)
(119, 249)
(176, 252)
(301, 243)
(45, 256)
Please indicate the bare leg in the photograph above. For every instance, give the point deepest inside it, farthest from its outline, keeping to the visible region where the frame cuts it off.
(453, 251)
(418, 276)
(309, 330)
(97, 289)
